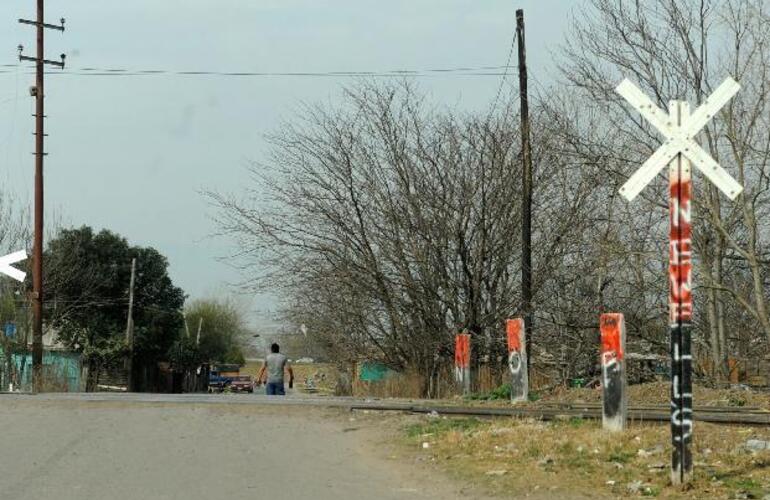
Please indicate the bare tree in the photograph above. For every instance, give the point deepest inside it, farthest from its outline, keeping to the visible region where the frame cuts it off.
(682, 50)
(391, 227)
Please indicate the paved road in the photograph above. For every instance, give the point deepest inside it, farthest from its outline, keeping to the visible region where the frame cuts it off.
(70, 448)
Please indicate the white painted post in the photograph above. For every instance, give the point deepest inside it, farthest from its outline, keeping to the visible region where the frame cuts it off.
(614, 398)
(517, 359)
(463, 362)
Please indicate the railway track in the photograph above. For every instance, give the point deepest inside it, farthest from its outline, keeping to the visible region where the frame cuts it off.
(555, 411)
(542, 411)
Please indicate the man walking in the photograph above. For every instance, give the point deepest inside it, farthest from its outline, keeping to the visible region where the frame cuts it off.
(275, 364)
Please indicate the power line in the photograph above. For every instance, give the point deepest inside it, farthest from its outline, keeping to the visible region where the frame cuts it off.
(504, 75)
(456, 71)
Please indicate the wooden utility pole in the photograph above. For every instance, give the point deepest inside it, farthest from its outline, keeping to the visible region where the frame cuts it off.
(38, 93)
(130, 327)
(526, 192)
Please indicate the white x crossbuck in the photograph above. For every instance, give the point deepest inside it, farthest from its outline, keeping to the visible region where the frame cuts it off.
(12, 258)
(679, 139)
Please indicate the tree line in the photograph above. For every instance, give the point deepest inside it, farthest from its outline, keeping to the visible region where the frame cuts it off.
(86, 283)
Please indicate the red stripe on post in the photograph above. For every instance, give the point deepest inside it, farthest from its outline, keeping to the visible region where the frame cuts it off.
(609, 326)
(513, 329)
(463, 350)
(614, 399)
(517, 359)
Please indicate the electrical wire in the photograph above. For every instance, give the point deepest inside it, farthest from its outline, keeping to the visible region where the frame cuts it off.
(456, 71)
(504, 75)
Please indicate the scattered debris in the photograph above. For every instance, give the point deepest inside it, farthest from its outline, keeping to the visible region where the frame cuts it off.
(657, 450)
(757, 445)
(634, 486)
(500, 472)
(547, 460)
(425, 445)
(433, 414)
(610, 483)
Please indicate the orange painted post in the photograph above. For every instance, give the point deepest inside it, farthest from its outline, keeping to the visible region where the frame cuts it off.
(517, 359)
(614, 399)
(463, 362)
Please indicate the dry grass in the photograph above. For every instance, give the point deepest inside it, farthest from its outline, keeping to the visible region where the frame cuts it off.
(659, 393)
(400, 385)
(323, 375)
(577, 458)
(54, 379)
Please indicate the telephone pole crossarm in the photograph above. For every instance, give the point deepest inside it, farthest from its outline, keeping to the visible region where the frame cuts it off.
(44, 25)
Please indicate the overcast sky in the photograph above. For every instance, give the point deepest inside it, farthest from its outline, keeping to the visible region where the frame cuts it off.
(131, 153)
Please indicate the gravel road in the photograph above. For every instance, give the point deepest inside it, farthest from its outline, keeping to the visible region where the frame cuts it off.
(81, 450)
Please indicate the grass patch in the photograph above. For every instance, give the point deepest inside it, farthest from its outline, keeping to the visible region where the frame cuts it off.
(576, 422)
(502, 392)
(576, 458)
(748, 486)
(440, 426)
(621, 455)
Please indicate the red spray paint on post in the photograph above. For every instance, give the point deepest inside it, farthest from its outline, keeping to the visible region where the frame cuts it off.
(680, 309)
(517, 359)
(614, 400)
(463, 361)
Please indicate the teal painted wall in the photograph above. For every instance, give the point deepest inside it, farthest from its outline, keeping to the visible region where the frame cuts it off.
(63, 364)
(370, 371)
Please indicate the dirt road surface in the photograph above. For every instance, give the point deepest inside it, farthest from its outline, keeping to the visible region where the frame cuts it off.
(81, 450)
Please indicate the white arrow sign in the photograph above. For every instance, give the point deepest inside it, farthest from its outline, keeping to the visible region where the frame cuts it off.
(679, 139)
(6, 261)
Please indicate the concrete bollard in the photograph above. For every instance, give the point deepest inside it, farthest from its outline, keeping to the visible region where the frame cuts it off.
(463, 362)
(517, 359)
(614, 399)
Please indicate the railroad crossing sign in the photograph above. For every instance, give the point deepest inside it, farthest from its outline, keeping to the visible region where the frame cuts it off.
(678, 151)
(7, 260)
(679, 138)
